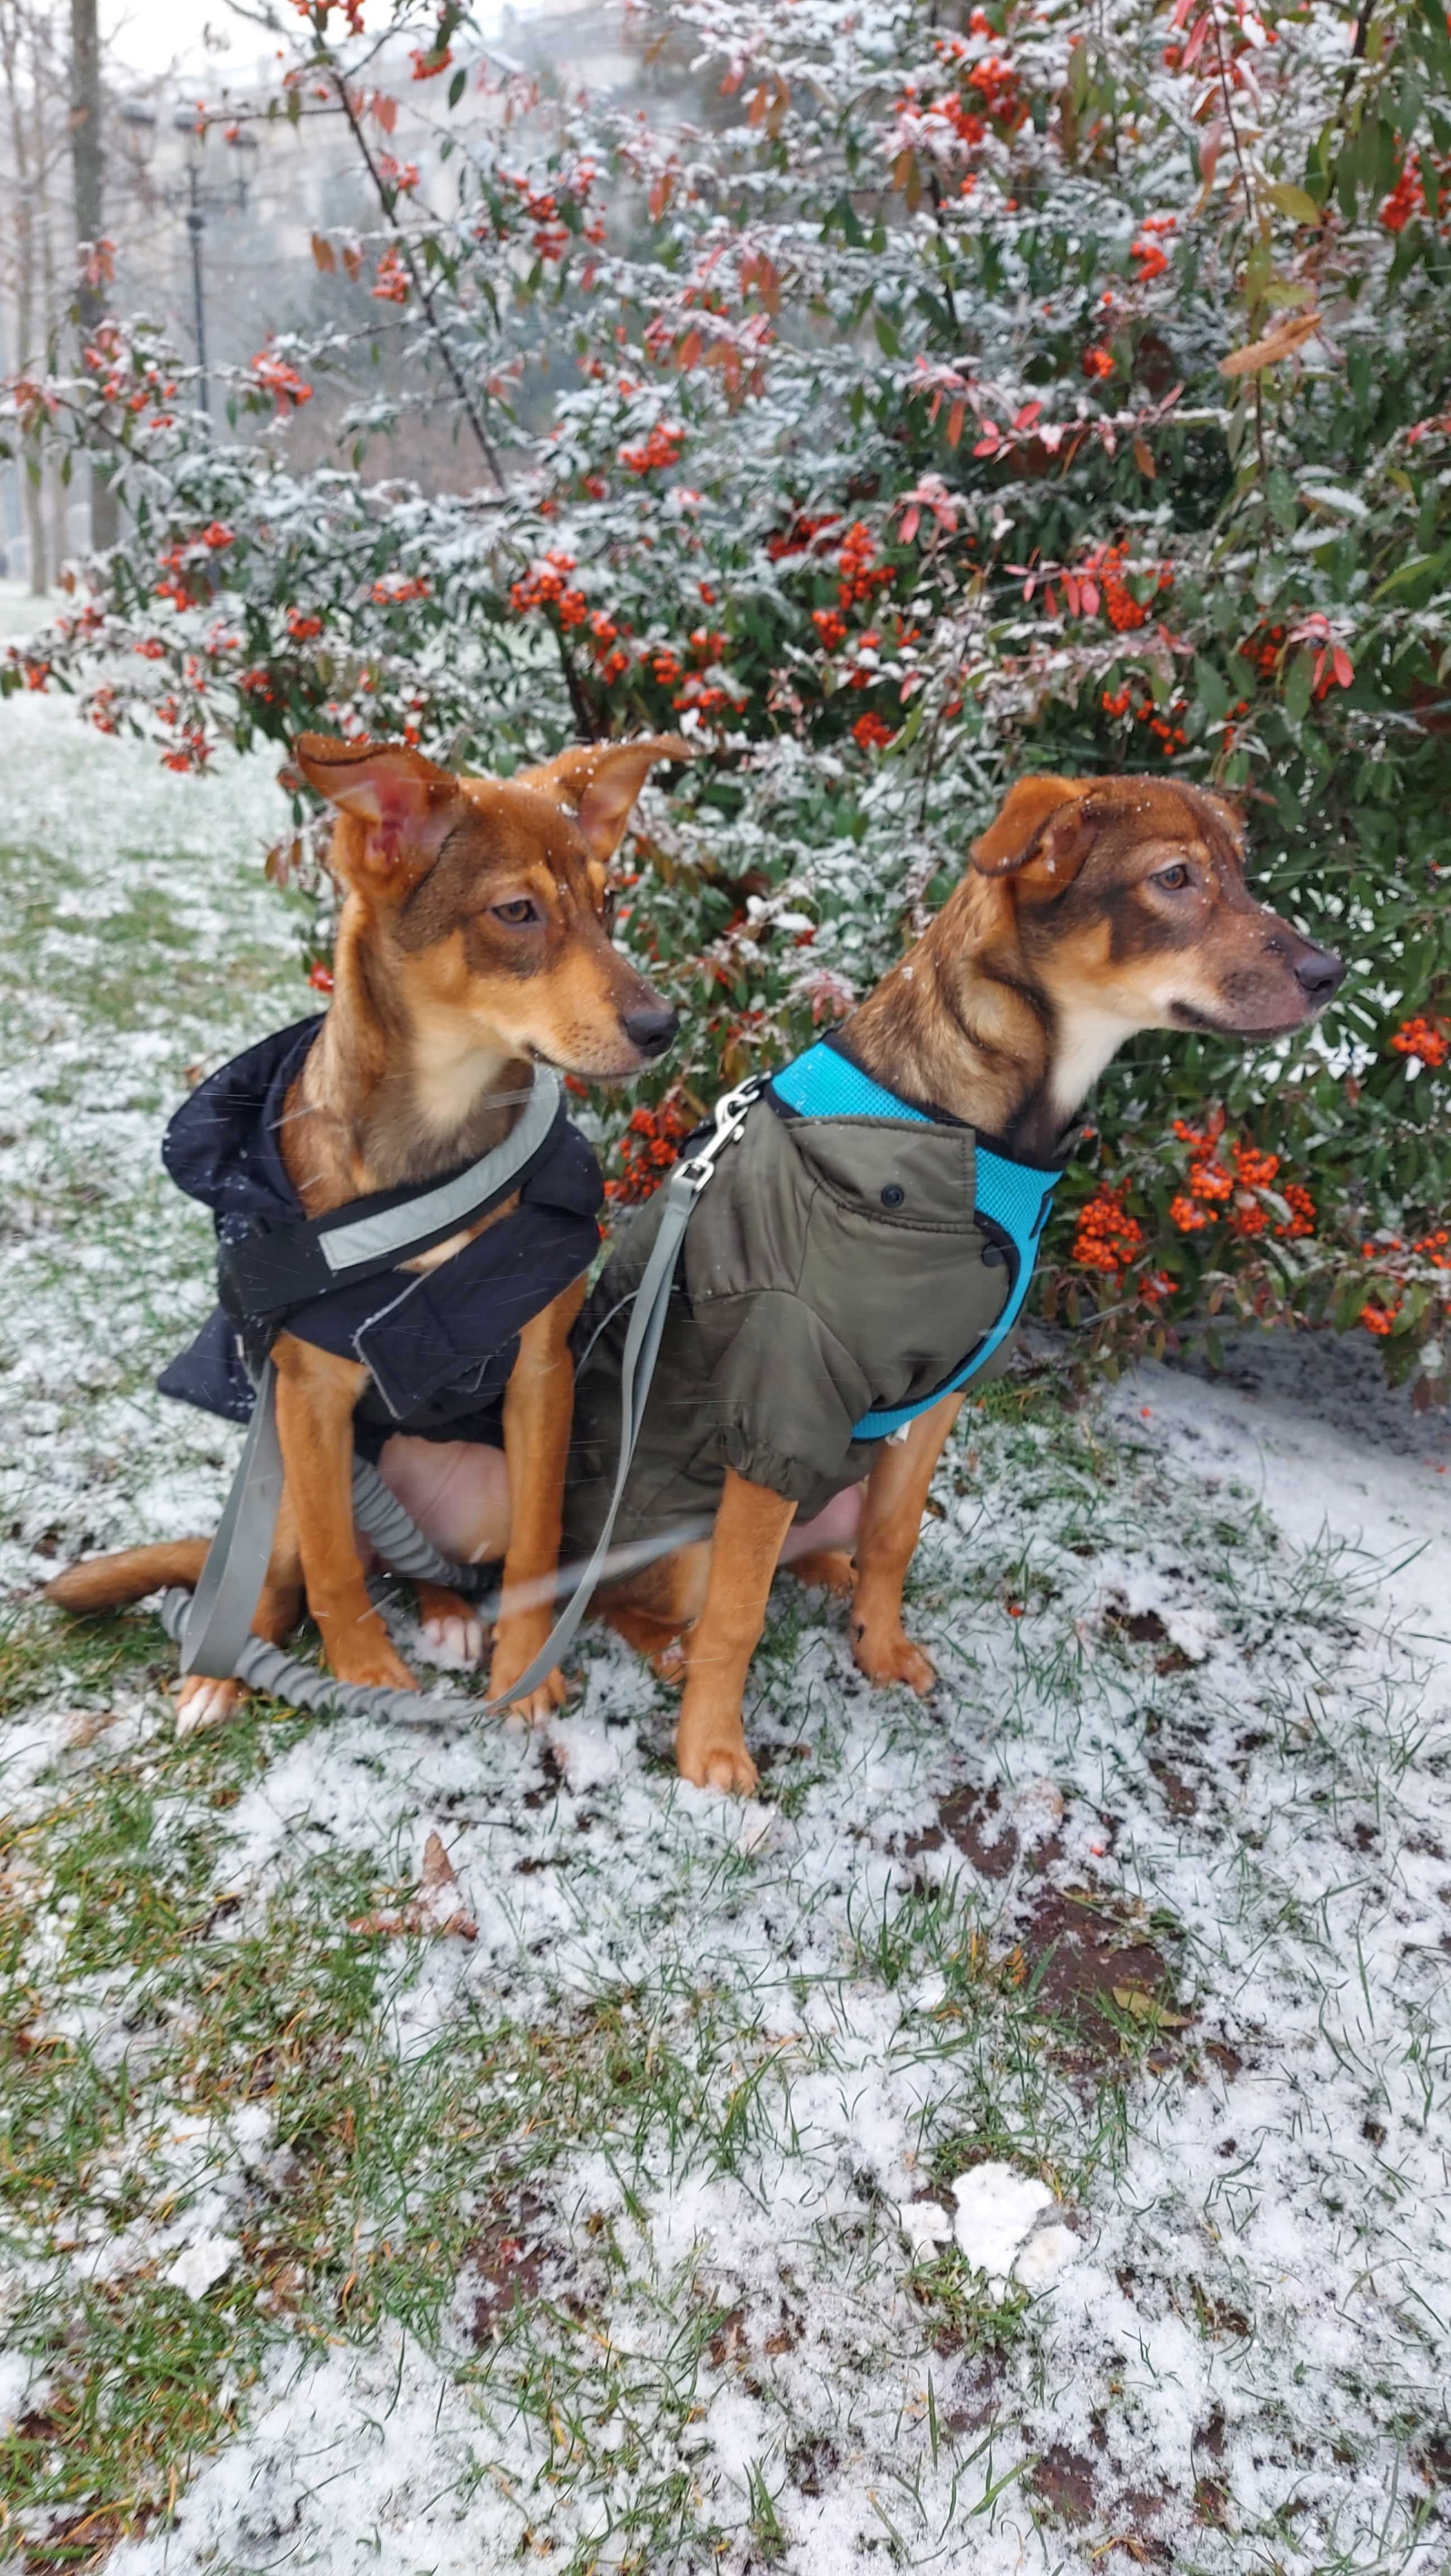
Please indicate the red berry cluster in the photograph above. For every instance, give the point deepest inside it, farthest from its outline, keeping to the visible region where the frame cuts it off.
(861, 574)
(545, 586)
(390, 286)
(662, 447)
(872, 732)
(801, 533)
(650, 1144)
(1429, 1040)
(1226, 1175)
(1163, 723)
(1108, 1238)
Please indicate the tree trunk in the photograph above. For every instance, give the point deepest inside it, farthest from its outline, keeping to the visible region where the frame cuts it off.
(88, 161)
(25, 352)
(43, 171)
(34, 522)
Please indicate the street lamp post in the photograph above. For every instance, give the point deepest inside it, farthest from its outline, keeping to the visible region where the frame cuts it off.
(196, 204)
(196, 224)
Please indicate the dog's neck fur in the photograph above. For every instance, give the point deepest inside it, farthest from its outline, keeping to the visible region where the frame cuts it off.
(964, 1024)
(382, 1099)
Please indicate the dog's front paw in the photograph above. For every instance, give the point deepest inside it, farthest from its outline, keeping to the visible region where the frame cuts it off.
(886, 1654)
(516, 1643)
(202, 1702)
(360, 1650)
(711, 1753)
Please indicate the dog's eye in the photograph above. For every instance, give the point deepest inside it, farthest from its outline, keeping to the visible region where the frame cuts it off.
(1172, 878)
(519, 913)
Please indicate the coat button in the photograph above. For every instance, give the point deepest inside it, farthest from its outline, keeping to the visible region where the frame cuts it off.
(893, 1194)
(993, 1256)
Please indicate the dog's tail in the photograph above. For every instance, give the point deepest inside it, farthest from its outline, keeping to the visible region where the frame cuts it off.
(110, 1582)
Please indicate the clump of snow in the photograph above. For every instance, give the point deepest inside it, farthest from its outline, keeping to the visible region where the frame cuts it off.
(18, 2388)
(996, 2210)
(997, 2227)
(926, 2226)
(200, 2265)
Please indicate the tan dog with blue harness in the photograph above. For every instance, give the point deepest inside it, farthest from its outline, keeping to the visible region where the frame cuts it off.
(864, 1247)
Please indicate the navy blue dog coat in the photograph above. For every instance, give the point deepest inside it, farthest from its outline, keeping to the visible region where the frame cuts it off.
(439, 1345)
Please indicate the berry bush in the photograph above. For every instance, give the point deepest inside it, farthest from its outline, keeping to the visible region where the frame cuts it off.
(894, 400)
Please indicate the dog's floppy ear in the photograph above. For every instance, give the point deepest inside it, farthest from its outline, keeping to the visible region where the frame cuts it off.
(598, 783)
(405, 806)
(1042, 833)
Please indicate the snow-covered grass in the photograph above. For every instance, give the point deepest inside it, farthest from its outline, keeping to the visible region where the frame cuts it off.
(574, 2235)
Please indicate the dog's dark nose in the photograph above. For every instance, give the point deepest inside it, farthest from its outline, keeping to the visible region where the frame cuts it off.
(652, 1028)
(1318, 975)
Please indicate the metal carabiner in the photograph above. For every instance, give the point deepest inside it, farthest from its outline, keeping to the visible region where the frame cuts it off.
(730, 1118)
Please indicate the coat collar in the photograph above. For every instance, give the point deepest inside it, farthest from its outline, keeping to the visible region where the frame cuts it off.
(221, 1146)
(828, 1082)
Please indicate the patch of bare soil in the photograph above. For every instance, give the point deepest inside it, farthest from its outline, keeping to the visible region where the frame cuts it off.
(1090, 1961)
(1078, 2491)
(507, 2260)
(973, 1819)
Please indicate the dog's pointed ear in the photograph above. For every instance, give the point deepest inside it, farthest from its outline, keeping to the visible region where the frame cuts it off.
(404, 806)
(1042, 833)
(1230, 807)
(598, 782)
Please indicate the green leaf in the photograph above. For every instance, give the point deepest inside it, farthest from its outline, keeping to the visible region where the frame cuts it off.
(1283, 499)
(1295, 202)
(1299, 681)
(456, 87)
(1210, 691)
(1409, 575)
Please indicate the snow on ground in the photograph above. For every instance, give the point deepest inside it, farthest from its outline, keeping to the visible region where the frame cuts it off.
(1017, 2140)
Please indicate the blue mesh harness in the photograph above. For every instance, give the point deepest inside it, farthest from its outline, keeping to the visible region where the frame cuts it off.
(1012, 1201)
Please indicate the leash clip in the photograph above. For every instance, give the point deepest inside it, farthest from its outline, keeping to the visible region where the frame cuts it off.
(730, 1118)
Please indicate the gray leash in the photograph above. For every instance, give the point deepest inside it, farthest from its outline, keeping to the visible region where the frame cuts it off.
(215, 1626)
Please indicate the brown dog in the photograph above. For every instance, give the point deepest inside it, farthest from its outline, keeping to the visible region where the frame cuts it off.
(1092, 909)
(474, 939)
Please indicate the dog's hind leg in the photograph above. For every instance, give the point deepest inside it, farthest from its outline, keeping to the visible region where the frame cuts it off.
(451, 1624)
(458, 1493)
(203, 1701)
(660, 1641)
(655, 1608)
(113, 1582)
(820, 1551)
(829, 1567)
